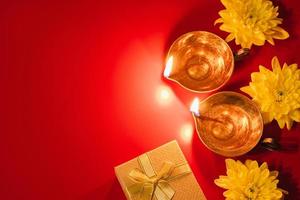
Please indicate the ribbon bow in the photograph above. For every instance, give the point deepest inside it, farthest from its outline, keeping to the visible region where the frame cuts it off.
(148, 184)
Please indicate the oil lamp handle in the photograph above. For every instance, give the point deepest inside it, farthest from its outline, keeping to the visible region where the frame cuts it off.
(241, 53)
(270, 144)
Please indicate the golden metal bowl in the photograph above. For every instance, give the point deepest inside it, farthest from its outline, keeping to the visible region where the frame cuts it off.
(199, 61)
(230, 124)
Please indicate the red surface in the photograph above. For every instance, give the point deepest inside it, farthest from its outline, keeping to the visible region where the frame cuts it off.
(80, 86)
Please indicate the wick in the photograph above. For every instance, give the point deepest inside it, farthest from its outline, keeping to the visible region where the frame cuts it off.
(207, 118)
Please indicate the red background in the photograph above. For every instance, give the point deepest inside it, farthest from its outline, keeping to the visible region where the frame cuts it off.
(82, 92)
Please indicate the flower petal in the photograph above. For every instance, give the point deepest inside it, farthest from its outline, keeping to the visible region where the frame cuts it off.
(229, 38)
(259, 38)
(276, 65)
(289, 123)
(281, 122)
(257, 77)
(263, 166)
(277, 194)
(267, 117)
(274, 174)
(251, 164)
(264, 70)
(271, 41)
(294, 67)
(280, 33)
(226, 28)
(220, 20)
(248, 90)
(295, 115)
(222, 182)
(263, 177)
(230, 164)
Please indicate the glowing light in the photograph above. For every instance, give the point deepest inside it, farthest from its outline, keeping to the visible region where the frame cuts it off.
(195, 107)
(169, 66)
(164, 95)
(186, 132)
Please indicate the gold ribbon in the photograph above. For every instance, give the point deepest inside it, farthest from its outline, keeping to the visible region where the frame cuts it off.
(148, 184)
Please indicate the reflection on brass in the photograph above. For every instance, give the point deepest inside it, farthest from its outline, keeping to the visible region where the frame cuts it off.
(230, 124)
(270, 144)
(201, 61)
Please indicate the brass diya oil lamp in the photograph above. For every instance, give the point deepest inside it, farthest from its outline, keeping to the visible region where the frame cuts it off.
(199, 61)
(228, 123)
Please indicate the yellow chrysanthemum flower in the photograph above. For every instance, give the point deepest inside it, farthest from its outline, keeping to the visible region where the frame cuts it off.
(249, 181)
(277, 93)
(251, 22)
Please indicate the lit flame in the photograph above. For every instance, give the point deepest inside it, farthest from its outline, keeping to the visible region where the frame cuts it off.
(195, 107)
(169, 66)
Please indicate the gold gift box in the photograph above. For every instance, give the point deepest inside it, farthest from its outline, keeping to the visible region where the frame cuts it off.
(160, 174)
